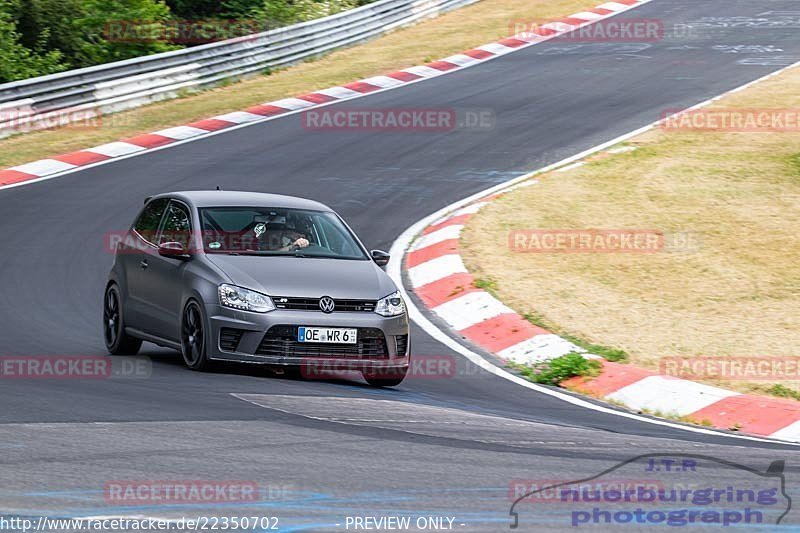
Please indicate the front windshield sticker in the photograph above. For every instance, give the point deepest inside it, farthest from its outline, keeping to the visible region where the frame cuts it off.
(260, 229)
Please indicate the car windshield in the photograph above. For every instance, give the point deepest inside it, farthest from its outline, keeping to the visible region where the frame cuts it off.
(277, 231)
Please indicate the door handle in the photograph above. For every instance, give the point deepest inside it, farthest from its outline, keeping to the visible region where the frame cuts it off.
(144, 264)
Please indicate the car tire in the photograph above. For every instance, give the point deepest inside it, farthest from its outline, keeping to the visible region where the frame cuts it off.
(194, 337)
(377, 380)
(117, 341)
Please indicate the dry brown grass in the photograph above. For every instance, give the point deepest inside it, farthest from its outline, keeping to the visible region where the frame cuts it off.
(737, 294)
(433, 39)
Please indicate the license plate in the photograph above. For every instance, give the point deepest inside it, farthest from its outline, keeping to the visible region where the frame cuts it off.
(327, 335)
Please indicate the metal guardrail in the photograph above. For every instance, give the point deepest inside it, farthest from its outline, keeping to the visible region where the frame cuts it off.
(83, 93)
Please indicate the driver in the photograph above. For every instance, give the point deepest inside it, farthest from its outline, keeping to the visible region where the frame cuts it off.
(292, 235)
(281, 234)
(292, 240)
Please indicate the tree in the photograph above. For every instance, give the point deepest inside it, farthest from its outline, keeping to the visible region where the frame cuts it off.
(48, 25)
(276, 13)
(195, 9)
(18, 62)
(122, 29)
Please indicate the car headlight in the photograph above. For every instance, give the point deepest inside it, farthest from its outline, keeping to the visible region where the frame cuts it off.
(244, 299)
(391, 305)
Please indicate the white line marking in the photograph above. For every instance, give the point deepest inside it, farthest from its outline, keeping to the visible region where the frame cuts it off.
(383, 81)
(560, 27)
(790, 432)
(440, 235)
(495, 48)
(462, 60)
(622, 149)
(291, 104)
(614, 6)
(115, 149)
(470, 209)
(586, 15)
(239, 117)
(567, 168)
(43, 167)
(341, 93)
(425, 72)
(669, 396)
(470, 310)
(181, 132)
(435, 269)
(531, 37)
(539, 348)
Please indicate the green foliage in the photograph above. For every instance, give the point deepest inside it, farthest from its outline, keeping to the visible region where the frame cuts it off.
(276, 13)
(82, 32)
(18, 62)
(49, 25)
(554, 371)
(100, 19)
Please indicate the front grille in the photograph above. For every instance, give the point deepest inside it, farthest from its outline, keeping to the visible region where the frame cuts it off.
(312, 304)
(229, 339)
(401, 341)
(281, 341)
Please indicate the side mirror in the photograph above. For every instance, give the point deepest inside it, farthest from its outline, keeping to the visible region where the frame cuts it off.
(380, 257)
(175, 250)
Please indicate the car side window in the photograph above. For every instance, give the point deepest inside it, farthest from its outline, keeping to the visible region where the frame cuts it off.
(149, 220)
(336, 242)
(176, 226)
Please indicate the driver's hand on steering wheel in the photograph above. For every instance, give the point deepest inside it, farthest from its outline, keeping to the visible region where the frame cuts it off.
(302, 242)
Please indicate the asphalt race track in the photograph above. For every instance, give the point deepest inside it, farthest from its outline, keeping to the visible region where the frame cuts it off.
(431, 447)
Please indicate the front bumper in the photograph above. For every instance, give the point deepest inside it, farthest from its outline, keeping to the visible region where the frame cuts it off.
(254, 327)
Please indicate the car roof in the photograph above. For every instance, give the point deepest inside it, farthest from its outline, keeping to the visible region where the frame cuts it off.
(243, 199)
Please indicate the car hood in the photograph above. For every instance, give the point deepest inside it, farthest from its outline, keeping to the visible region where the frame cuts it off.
(306, 277)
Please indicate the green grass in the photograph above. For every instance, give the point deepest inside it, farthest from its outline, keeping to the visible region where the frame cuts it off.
(554, 371)
(783, 391)
(795, 161)
(488, 284)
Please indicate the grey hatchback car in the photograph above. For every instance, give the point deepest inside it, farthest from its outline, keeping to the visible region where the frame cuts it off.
(255, 278)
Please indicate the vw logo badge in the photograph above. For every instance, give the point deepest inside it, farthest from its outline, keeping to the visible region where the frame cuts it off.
(327, 304)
